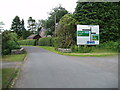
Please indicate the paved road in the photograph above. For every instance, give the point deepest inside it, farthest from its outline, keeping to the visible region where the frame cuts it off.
(44, 69)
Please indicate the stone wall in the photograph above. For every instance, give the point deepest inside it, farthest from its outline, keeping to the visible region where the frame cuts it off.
(17, 51)
(64, 50)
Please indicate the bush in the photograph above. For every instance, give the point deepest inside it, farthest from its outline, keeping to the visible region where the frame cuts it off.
(74, 48)
(81, 49)
(10, 45)
(111, 45)
(47, 41)
(9, 42)
(26, 42)
(107, 46)
(56, 42)
(13, 45)
(84, 49)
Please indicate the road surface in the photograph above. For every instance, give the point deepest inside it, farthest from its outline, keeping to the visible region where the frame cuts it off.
(45, 69)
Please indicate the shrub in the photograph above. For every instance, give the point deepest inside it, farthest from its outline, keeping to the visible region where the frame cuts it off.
(56, 42)
(47, 41)
(10, 45)
(13, 45)
(84, 49)
(107, 46)
(111, 45)
(9, 42)
(81, 49)
(74, 48)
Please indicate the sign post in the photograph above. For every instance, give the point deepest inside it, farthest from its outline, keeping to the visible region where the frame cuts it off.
(87, 35)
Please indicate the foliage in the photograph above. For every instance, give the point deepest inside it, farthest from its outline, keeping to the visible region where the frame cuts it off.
(103, 47)
(52, 49)
(19, 28)
(55, 15)
(66, 31)
(111, 45)
(26, 42)
(43, 23)
(24, 32)
(104, 14)
(16, 26)
(31, 25)
(56, 42)
(81, 49)
(9, 42)
(47, 41)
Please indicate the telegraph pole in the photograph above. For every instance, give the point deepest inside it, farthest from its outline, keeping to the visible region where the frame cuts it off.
(55, 25)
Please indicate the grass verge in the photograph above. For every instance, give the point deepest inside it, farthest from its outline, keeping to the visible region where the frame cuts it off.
(6, 75)
(94, 54)
(14, 58)
(9, 74)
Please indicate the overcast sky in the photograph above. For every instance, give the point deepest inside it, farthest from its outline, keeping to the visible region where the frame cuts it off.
(38, 9)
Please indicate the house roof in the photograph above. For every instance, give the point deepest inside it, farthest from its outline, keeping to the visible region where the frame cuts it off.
(34, 36)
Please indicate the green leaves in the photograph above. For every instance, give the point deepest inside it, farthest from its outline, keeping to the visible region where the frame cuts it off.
(31, 25)
(66, 31)
(9, 42)
(56, 14)
(104, 14)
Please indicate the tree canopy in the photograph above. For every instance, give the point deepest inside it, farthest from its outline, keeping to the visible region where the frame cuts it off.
(104, 14)
(55, 15)
(66, 31)
(32, 25)
(16, 26)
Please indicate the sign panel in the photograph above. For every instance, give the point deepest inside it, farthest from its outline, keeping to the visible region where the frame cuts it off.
(83, 33)
(95, 37)
(87, 34)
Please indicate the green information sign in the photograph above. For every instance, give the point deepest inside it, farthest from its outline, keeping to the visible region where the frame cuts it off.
(83, 33)
(95, 37)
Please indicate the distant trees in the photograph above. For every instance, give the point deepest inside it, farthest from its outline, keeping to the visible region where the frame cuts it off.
(16, 26)
(32, 25)
(19, 28)
(55, 15)
(24, 32)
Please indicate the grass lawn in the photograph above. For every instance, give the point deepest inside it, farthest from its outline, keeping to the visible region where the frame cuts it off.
(94, 53)
(6, 75)
(14, 58)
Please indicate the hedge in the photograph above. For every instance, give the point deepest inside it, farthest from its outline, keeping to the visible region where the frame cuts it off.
(47, 41)
(26, 42)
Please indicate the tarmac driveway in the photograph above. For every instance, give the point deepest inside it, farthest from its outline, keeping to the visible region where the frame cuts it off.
(45, 69)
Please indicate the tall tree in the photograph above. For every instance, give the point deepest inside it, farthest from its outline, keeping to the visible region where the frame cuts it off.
(32, 25)
(55, 15)
(24, 34)
(104, 14)
(16, 26)
(66, 31)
